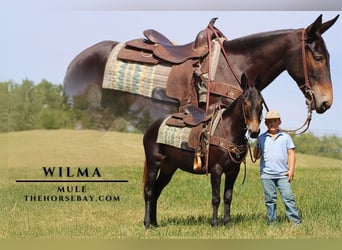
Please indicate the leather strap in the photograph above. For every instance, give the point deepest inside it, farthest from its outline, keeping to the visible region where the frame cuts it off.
(305, 69)
(224, 89)
(229, 146)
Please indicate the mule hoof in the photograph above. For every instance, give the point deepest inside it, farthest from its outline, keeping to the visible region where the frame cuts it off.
(149, 226)
(214, 224)
(228, 223)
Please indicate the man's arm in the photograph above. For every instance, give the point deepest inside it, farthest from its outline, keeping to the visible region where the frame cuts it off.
(292, 163)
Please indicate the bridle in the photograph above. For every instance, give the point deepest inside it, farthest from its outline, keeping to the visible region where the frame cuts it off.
(306, 84)
(306, 88)
(239, 150)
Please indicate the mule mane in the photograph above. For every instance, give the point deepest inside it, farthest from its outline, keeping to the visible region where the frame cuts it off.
(254, 40)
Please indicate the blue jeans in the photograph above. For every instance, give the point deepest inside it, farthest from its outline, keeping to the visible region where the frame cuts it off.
(287, 196)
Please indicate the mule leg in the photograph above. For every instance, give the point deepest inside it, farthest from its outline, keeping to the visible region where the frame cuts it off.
(153, 188)
(150, 198)
(228, 193)
(215, 177)
(164, 177)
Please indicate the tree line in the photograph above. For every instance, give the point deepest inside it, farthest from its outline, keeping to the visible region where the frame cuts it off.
(28, 106)
(31, 106)
(328, 146)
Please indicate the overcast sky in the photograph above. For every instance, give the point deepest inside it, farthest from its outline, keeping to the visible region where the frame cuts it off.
(39, 40)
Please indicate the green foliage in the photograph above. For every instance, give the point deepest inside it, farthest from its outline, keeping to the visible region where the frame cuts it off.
(28, 106)
(328, 146)
(3, 106)
(23, 107)
(31, 106)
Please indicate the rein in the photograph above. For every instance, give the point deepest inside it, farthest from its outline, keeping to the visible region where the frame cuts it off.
(223, 142)
(239, 150)
(218, 35)
(305, 125)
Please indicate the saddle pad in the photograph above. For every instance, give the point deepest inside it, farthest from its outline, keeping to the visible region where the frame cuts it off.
(134, 77)
(173, 136)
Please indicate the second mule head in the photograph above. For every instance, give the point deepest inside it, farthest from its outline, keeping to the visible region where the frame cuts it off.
(252, 105)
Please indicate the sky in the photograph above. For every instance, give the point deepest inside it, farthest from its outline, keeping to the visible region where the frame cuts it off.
(40, 38)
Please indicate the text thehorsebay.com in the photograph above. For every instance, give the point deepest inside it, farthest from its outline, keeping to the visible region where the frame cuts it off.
(70, 185)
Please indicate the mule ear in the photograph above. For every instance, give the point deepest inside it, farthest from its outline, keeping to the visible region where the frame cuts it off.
(314, 27)
(257, 81)
(244, 81)
(325, 26)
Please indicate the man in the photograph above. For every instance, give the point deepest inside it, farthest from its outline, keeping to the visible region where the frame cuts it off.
(277, 165)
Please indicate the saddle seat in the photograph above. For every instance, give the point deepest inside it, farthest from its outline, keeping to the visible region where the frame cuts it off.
(161, 47)
(156, 37)
(192, 117)
(178, 53)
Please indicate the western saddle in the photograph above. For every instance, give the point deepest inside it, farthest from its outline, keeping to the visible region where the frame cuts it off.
(156, 48)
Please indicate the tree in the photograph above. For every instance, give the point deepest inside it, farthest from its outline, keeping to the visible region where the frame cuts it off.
(4, 106)
(23, 107)
(39, 106)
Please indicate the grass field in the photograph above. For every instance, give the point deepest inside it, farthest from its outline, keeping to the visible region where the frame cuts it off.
(184, 209)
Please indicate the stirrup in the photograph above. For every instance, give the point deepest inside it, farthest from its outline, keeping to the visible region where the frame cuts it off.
(197, 162)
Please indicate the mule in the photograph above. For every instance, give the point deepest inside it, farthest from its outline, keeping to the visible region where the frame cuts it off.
(227, 149)
(300, 52)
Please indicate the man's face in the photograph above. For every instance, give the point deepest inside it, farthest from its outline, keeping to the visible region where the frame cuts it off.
(273, 125)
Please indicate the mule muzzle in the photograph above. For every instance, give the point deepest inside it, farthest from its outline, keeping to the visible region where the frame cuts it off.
(318, 102)
(254, 134)
(254, 128)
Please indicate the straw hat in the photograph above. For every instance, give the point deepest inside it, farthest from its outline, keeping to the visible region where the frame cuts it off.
(272, 114)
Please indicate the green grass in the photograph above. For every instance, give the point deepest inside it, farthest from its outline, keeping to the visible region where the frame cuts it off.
(184, 210)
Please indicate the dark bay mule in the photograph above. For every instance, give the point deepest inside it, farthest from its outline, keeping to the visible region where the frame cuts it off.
(163, 160)
(300, 52)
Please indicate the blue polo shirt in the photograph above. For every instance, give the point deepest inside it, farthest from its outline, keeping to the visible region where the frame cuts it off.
(274, 157)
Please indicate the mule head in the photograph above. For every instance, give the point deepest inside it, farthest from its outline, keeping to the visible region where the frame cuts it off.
(312, 69)
(252, 105)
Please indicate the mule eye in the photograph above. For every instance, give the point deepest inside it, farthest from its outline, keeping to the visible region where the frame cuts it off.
(318, 58)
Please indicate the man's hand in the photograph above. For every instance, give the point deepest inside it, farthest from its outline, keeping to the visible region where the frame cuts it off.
(290, 175)
(257, 153)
